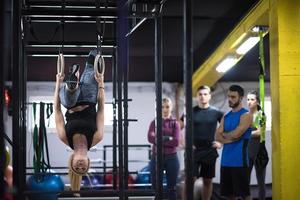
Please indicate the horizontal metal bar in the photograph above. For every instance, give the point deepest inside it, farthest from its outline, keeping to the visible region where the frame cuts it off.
(57, 19)
(129, 2)
(70, 12)
(68, 7)
(108, 42)
(65, 55)
(131, 161)
(35, 52)
(123, 100)
(69, 20)
(63, 167)
(33, 3)
(130, 146)
(130, 120)
(67, 46)
(99, 193)
(107, 198)
(89, 173)
(92, 149)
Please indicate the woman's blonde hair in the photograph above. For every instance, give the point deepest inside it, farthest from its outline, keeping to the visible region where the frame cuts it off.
(167, 100)
(74, 176)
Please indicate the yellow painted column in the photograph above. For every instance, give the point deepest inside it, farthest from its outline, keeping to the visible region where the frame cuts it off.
(285, 94)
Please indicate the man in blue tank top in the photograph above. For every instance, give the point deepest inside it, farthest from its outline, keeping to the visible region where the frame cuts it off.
(234, 132)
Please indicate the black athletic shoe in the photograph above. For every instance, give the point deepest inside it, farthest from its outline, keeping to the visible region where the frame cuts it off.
(72, 79)
(91, 57)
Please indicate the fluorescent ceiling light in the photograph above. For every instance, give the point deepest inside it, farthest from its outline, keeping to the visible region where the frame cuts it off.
(247, 45)
(226, 64)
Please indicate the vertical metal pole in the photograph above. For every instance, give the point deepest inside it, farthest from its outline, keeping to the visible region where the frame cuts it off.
(104, 160)
(18, 98)
(114, 142)
(2, 157)
(120, 132)
(125, 104)
(188, 71)
(23, 103)
(158, 123)
(122, 57)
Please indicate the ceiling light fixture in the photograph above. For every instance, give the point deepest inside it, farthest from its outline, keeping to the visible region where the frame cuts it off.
(226, 64)
(247, 45)
(240, 47)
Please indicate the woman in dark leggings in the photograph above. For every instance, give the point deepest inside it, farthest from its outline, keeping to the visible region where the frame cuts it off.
(84, 125)
(253, 147)
(171, 134)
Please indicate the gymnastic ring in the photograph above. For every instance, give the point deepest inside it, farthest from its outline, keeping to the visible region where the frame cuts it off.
(99, 61)
(61, 64)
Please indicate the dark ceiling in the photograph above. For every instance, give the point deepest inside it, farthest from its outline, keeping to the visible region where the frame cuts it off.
(213, 20)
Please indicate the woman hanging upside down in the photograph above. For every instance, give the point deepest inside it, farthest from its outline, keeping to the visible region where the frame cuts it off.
(84, 125)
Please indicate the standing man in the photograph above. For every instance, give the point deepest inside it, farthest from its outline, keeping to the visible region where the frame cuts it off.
(205, 120)
(234, 132)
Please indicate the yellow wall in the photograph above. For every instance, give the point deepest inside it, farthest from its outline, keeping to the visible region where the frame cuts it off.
(285, 94)
(284, 23)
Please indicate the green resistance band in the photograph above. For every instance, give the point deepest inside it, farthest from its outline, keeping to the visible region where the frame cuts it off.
(262, 86)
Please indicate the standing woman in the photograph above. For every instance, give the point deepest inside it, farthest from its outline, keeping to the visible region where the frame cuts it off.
(171, 134)
(84, 125)
(253, 101)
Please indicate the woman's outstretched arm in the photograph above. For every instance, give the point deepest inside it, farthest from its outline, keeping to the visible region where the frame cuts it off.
(59, 118)
(100, 112)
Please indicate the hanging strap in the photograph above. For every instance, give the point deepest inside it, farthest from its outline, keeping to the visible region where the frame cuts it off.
(41, 162)
(36, 156)
(45, 164)
(100, 28)
(49, 111)
(99, 64)
(262, 86)
(41, 137)
(62, 26)
(60, 59)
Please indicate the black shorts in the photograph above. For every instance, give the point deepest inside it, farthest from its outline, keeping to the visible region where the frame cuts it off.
(235, 181)
(205, 161)
(204, 170)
